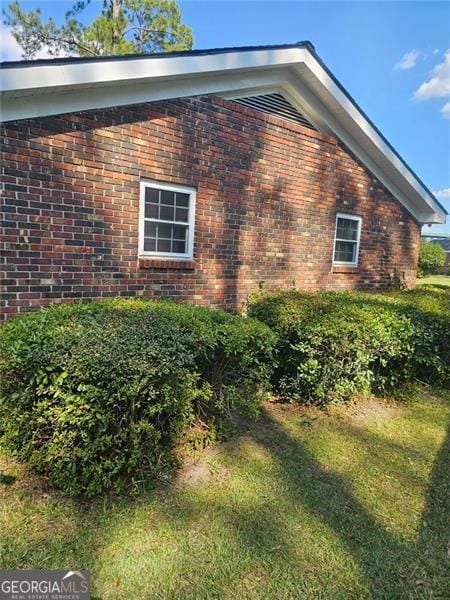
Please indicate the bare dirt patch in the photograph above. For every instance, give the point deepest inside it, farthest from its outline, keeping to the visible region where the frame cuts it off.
(193, 473)
(200, 468)
(430, 395)
(366, 409)
(15, 476)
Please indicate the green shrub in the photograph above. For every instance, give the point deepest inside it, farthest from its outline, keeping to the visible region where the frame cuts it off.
(333, 345)
(96, 395)
(431, 258)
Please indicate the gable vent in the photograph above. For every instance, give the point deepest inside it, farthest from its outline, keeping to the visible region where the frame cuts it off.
(277, 105)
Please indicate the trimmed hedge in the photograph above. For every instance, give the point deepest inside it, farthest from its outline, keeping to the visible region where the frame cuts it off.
(332, 345)
(96, 395)
(431, 258)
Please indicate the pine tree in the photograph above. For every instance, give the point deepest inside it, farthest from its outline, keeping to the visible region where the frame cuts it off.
(122, 27)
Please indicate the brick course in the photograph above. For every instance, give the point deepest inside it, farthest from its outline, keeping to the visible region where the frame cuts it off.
(267, 195)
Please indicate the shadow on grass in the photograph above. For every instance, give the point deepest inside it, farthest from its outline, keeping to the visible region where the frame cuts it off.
(387, 561)
(391, 566)
(256, 535)
(6, 479)
(431, 286)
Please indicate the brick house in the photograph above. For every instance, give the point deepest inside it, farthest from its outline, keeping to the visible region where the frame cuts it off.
(199, 176)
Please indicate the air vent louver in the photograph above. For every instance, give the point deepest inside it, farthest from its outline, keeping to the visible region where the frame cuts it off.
(277, 105)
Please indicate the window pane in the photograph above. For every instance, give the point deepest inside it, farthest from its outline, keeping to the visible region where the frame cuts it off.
(347, 229)
(149, 245)
(164, 231)
(181, 214)
(179, 232)
(163, 245)
(183, 200)
(345, 251)
(149, 229)
(151, 195)
(151, 211)
(166, 213)
(179, 247)
(167, 197)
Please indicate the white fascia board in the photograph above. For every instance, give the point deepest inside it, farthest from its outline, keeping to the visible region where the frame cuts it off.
(113, 72)
(75, 100)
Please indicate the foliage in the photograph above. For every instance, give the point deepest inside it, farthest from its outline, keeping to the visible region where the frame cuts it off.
(96, 395)
(431, 258)
(333, 345)
(122, 27)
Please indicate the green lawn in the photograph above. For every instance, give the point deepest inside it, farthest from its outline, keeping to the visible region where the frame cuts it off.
(352, 503)
(443, 280)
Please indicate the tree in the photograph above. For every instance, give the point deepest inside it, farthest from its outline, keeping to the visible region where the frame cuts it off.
(122, 27)
(431, 258)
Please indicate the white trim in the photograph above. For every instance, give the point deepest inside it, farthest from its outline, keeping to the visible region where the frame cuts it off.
(132, 70)
(45, 89)
(26, 106)
(336, 239)
(171, 187)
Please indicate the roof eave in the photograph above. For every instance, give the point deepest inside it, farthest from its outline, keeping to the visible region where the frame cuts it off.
(52, 88)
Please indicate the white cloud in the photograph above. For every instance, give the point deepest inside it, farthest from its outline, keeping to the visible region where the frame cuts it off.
(442, 194)
(438, 85)
(445, 110)
(408, 60)
(435, 51)
(9, 48)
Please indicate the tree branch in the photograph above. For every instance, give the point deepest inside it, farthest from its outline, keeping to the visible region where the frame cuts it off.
(143, 29)
(70, 43)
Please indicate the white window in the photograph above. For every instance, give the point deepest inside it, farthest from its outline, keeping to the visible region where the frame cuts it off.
(166, 221)
(346, 241)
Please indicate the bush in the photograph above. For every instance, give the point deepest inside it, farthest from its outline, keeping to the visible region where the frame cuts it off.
(96, 395)
(333, 345)
(431, 259)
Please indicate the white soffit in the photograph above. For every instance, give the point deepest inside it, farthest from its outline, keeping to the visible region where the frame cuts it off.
(47, 88)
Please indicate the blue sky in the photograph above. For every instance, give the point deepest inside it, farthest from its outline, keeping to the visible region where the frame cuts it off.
(390, 56)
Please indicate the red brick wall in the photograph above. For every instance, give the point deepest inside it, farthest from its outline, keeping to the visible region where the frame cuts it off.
(267, 195)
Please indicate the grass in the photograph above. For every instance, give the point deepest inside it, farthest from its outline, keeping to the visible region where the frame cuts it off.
(439, 280)
(352, 503)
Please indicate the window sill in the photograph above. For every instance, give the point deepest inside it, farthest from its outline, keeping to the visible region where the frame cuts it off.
(149, 262)
(349, 269)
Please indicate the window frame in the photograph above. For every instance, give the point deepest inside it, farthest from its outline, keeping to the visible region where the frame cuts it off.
(190, 224)
(357, 241)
